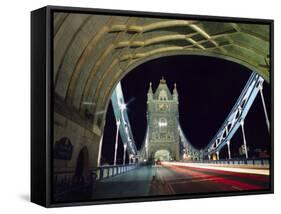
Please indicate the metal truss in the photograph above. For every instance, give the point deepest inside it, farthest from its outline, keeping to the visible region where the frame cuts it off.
(236, 117)
(122, 119)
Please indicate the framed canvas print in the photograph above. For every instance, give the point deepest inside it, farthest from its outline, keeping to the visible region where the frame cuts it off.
(137, 106)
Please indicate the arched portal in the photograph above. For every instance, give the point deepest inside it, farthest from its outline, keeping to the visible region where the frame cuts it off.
(81, 170)
(162, 155)
(184, 75)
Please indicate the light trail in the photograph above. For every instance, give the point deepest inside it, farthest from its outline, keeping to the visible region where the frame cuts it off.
(226, 180)
(221, 168)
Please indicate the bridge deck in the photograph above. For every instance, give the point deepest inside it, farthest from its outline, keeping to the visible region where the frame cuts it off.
(133, 183)
(175, 179)
(169, 179)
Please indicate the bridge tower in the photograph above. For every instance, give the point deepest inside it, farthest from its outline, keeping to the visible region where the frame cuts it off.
(162, 120)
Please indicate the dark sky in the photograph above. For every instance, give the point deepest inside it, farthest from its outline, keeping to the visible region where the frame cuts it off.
(207, 87)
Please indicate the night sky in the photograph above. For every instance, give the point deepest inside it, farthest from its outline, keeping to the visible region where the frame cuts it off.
(207, 87)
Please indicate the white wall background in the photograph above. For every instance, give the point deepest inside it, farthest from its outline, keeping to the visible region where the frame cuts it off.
(15, 105)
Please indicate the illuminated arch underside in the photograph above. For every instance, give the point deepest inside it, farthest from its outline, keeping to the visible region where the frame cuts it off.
(92, 53)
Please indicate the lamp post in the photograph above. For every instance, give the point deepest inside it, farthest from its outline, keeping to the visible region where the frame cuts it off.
(264, 107)
(228, 148)
(116, 141)
(124, 155)
(244, 139)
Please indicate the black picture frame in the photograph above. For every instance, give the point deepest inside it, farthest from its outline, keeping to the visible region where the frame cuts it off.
(42, 102)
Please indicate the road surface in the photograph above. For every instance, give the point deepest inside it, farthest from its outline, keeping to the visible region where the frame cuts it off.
(174, 179)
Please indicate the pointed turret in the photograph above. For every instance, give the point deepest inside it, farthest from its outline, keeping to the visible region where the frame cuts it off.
(150, 88)
(175, 92)
(150, 92)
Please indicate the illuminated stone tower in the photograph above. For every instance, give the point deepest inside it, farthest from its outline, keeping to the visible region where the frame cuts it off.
(162, 118)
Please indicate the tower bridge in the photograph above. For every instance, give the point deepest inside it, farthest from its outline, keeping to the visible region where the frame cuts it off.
(164, 131)
(92, 53)
(166, 143)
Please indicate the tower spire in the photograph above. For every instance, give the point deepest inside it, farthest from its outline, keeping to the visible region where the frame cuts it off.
(150, 92)
(175, 91)
(150, 88)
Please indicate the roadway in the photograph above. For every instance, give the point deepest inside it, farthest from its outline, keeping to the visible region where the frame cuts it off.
(169, 179)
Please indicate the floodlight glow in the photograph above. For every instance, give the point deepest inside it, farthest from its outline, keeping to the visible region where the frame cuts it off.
(123, 106)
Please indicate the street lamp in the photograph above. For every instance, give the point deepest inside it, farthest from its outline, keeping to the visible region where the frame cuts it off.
(116, 141)
(244, 138)
(124, 155)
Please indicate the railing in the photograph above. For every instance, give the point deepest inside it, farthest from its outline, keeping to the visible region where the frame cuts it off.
(66, 185)
(109, 171)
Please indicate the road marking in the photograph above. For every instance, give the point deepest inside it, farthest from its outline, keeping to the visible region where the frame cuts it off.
(171, 190)
(164, 182)
(237, 188)
(191, 181)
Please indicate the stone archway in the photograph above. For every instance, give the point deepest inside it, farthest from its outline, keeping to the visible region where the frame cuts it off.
(82, 166)
(133, 66)
(162, 155)
(103, 105)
